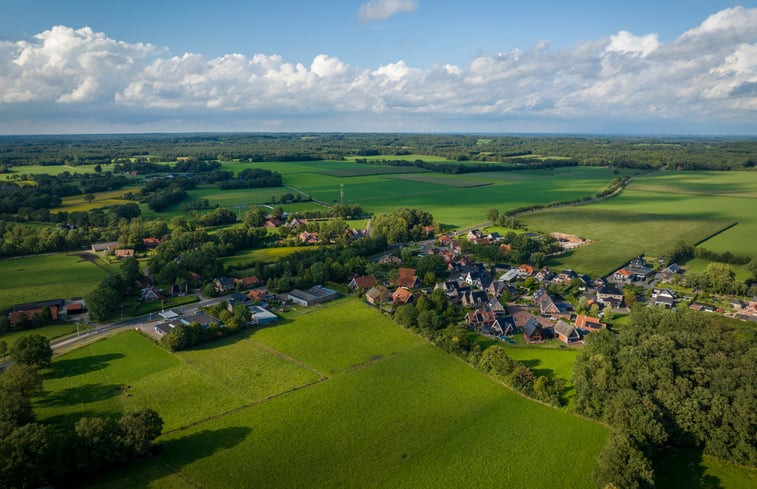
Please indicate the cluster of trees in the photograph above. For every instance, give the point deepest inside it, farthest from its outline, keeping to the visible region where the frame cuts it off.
(496, 362)
(345, 211)
(523, 249)
(520, 164)
(253, 178)
(35, 454)
(670, 378)
(160, 193)
(218, 217)
(717, 278)
(41, 318)
(683, 251)
(402, 225)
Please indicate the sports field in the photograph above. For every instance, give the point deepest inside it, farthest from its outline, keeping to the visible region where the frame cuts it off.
(654, 213)
(52, 276)
(333, 397)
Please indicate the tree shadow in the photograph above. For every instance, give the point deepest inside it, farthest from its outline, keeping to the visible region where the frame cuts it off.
(80, 394)
(683, 468)
(68, 420)
(539, 372)
(189, 448)
(78, 366)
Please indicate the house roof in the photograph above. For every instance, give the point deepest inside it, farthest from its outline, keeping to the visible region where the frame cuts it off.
(564, 329)
(378, 292)
(609, 289)
(583, 321)
(532, 327)
(364, 282)
(248, 281)
(402, 295)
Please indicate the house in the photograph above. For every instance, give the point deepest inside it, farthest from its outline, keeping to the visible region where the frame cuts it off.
(309, 238)
(544, 274)
(204, 320)
(699, 306)
(296, 223)
(565, 277)
(163, 329)
(480, 318)
(588, 323)
(407, 278)
(378, 295)
(402, 295)
(272, 223)
(533, 332)
(495, 306)
(548, 307)
(150, 243)
(262, 316)
(670, 271)
(314, 295)
(110, 245)
(664, 297)
(506, 247)
(363, 282)
(610, 295)
(150, 294)
(124, 253)
(224, 284)
(236, 298)
(623, 276)
(496, 287)
(389, 260)
(73, 308)
(567, 333)
(247, 282)
(526, 270)
(503, 326)
(473, 235)
(471, 298)
(478, 279)
(445, 240)
(258, 295)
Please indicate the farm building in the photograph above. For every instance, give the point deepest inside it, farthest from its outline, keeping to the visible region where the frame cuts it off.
(378, 295)
(567, 333)
(262, 316)
(111, 245)
(312, 296)
(363, 282)
(402, 295)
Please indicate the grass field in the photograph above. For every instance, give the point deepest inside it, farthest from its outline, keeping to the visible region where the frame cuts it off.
(364, 170)
(265, 255)
(53, 276)
(441, 179)
(655, 212)
(77, 203)
(50, 332)
(51, 170)
(381, 407)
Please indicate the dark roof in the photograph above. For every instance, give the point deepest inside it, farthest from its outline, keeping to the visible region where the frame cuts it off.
(566, 330)
(609, 289)
(532, 326)
(39, 305)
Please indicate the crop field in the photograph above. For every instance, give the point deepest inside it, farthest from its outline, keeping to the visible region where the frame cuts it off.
(77, 203)
(337, 396)
(364, 170)
(448, 180)
(53, 276)
(412, 157)
(654, 213)
(50, 170)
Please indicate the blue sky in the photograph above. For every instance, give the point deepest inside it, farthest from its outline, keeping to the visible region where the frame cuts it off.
(407, 65)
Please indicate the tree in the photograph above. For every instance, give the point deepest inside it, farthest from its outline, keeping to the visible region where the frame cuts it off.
(496, 361)
(102, 302)
(522, 378)
(139, 429)
(406, 315)
(630, 295)
(29, 454)
(607, 313)
(98, 168)
(253, 218)
(89, 197)
(99, 441)
(583, 305)
(492, 215)
(622, 464)
(3, 348)
(33, 350)
(428, 320)
(537, 258)
(130, 270)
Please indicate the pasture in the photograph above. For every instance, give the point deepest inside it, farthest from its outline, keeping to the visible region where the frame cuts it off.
(77, 203)
(337, 396)
(442, 179)
(50, 332)
(51, 276)
(50, 170)
(654, 213)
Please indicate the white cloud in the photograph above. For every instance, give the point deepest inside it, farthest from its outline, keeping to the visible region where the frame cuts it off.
(707, 74)
(375, 10)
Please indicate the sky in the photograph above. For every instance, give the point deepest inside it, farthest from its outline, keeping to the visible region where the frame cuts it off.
(543, 66)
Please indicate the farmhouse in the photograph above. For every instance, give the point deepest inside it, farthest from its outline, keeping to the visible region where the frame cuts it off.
(670, 271)
(567, 333)
(402, 295)
(224, 284)
(610, 295)
(150, 242)
(309, 238)
(363, 282)
(312, 296)
(150, 294)
(378, 295)
(588, 323)
(247, 282)
(664, 297)
(407, 278)
(124, 252)
(29, 309)
(110, 245)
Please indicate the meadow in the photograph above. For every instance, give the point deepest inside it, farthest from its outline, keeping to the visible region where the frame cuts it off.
(77, 203)
(337, 396)
(51, 276)
(51, 331)
(653, 213)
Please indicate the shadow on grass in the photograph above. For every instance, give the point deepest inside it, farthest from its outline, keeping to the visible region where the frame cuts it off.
(68, 420)
(81, 394)
(539, 372)
(242, 335)
(189, 448)
(683, 469)
(77, 366)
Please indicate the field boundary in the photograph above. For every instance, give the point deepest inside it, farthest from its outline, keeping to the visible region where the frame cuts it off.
(715, 234)
(286, 357)
(181, 475)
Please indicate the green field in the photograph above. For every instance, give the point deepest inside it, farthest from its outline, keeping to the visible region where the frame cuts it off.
(441, 179)
(333, 397)
(77, 203)
(655, 212)
(265, 255)
(50, 332)
(53, 276)
(51, 170)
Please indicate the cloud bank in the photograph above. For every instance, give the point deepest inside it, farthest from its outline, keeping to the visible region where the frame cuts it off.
(375, 10)
(707, 76)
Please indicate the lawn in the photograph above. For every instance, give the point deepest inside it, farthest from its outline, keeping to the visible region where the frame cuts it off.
(265, 255)
(393, 410)
(52, 276)
(654, 213)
